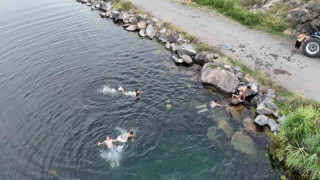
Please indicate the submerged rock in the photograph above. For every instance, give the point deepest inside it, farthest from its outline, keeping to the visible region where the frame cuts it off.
(212, 134)
(225, 127)
(261, 120)
(249, 126)
(221, 79)
(186, 49)
(243, 143)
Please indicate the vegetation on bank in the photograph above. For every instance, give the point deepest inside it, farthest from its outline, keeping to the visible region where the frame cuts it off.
(122, 5)
(236, 10)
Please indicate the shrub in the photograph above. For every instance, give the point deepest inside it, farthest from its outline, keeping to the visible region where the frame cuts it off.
(227, 5)
(218, 4)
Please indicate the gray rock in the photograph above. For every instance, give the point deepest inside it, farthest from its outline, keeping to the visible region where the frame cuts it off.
(186, 49)
(125, 16)
(162, 35)
(199, 58)
(133, 20)
(210, 57)
(172, 37)
(84, 1)
(255, 88)
(240, 77)
(115, 15)
(273, 125)
(282, 119)
(260, 98)
(108, 13)
(167, 45)
(280, 99)
(96, 4)
(142, 17)
(236, 101)
(106, 6)
(270, 93)
(187, 59)
(142, 24)
(236, 69)
(174, 47)
(261, 120)
(131, 28)
(176, 59)
(142, 33)
(221, 79)
(88, 4)
(151, 31)
(268, 108)
(103, 14)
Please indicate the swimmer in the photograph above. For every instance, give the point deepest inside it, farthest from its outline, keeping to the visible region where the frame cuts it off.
(108, 142)
(136, 92)
(208, 106)
(124, 138)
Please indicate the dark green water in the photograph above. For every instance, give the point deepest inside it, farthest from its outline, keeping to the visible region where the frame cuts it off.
(57, 57)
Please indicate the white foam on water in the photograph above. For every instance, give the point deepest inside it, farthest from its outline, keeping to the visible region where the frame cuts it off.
(109, 90)
(113, 156)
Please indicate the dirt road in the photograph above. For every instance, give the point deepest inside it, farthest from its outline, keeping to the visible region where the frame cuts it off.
(262, 51)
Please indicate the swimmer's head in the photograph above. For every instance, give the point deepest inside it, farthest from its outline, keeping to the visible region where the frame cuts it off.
(216, 101)
(249, 87)
(107, 138)
(136, 90)
(131, 133)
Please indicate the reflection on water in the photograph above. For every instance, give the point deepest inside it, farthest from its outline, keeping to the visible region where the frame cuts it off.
(60, 69)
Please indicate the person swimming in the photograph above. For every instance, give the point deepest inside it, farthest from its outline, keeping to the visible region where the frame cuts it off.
(206, 107)
(124, 137)
(135, 93)
(108, 142)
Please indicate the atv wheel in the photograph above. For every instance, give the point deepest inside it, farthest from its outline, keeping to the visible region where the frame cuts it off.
(311, 48)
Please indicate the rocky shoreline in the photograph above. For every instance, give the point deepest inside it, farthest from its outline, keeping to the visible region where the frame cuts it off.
(214, 72)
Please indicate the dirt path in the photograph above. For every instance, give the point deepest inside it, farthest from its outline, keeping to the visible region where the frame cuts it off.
(268, 53)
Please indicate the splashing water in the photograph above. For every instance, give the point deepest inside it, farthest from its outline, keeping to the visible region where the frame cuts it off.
(113, 156)
(109, 90)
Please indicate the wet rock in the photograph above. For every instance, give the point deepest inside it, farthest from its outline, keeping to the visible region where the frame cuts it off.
(177, 60)
(243, 143)
(115, 15)
(255, 88)
(106, 6)
(151, 31)
(187, 59)
(167, 45)
(126, 25)
(84, 1)
(268, 108)
(273, 125)
(226, 128)
(108, 13)
(249, 126)
(282, 119)
(186, 49)
(125, 16)
(174, 47)
(142, 33)
(96, 4)
(133, 20)
(103, 14)
(221, 79)
(235, 112)
(236, 101)
(142, 24)
(131, 28)
(261, 120)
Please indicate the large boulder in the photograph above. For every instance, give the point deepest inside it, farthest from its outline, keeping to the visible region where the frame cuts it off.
(162, 35)
(131, 28)
(151, 31)
(221, 79)
(174, 47)
(186, 49)
(177, 60)
(142, 33)
(261, 120)
(106, 6)
(187, 59)
(243, 143)
(225, 127)
(133, 20)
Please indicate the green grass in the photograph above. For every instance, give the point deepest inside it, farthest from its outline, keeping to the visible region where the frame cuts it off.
(298, 141)
(122, 5)
(236, 11)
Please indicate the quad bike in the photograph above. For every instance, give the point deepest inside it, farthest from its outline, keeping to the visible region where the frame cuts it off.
(311, 47)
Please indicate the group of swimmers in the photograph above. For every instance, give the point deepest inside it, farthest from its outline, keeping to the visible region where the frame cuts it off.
(109, 141)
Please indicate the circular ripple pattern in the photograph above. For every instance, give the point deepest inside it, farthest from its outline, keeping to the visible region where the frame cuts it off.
(56, 57)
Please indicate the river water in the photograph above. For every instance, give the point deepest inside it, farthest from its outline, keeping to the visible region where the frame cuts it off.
(59, 62)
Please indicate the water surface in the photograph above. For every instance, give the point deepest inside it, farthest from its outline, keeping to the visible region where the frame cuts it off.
(56, 58)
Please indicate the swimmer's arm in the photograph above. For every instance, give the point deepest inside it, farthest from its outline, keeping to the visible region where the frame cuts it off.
(100, 143)
(114, 140)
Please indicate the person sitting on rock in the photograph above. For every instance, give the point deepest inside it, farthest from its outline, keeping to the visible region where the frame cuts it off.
(206, 107)
(240, 92)
(303, 37)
